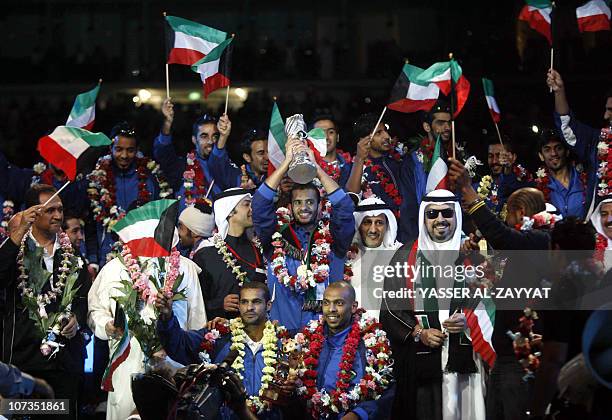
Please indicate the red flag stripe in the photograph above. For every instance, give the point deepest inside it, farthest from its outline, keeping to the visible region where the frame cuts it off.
(51, 151)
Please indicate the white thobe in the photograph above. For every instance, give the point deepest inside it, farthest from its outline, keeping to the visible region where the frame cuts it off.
(189, 312)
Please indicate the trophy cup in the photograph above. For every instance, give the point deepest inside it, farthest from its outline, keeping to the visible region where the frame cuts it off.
(301, 169)
(288, 362)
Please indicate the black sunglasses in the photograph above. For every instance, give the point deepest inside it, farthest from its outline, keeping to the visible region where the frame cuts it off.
(433, 214)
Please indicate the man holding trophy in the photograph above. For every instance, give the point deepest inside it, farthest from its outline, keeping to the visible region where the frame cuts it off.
(306, 250)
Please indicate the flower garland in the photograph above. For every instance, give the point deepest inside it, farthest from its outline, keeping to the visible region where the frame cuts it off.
(601, 244)
(343, 398)
(41, 174)
(351, 255)
(542, 181)
(48, 324)
(167, 281)
(487, 189)
(8, 210)
(604, 156)
(385, 181)
(229, 259)
(540, 220)
(310, 274)
(271, 336)
(210, 338)
(194, 181)
(524, 344)
(102, 188)
(521, 173)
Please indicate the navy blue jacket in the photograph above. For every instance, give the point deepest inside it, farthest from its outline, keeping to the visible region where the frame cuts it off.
(583, 141)
(174, 166)
(287, 305)
(226, 173)
(184, 346)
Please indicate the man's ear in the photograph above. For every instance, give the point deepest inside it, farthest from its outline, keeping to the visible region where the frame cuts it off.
(247, 158)
(355, 306)
(269, 305)
(193, 140)
(541, 156)
(427, 127)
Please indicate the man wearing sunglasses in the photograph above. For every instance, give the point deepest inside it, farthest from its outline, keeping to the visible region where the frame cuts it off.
(190, 175)
(437, 369)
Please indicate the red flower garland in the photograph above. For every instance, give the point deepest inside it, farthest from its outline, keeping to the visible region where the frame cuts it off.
(385, 182)
(369, 387)
(105, 202)
(601, 244)
(194, 174)
(543, 179)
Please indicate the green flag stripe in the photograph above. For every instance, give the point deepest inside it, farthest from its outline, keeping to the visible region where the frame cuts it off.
(93, 139)
(196, 29)
(488, 87)
(84, 101)
(277, 127)
(151, 210)
(413, 73)
(214, 55)
(540, 4)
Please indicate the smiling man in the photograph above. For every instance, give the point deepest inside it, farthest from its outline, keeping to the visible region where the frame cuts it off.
(565, 188)
(309, 242)
(229, 259)
(254, 151)
(190, 175)
(341, 317)
(379, 171)
(438, 371)
(373, 243)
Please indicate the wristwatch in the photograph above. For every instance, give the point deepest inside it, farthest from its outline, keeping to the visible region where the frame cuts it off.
(417, 335)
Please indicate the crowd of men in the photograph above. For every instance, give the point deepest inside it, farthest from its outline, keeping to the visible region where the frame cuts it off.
(258, 247)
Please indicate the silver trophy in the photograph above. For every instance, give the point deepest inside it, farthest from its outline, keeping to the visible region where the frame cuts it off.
(301, 169)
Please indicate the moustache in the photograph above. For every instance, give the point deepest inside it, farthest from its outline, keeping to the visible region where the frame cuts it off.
(443, 223)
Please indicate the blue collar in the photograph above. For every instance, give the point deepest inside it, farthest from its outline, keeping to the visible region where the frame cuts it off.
(338, 339)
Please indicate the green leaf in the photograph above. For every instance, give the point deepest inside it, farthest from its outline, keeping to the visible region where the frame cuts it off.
(33, 263)
(178, 282)
(179, 296)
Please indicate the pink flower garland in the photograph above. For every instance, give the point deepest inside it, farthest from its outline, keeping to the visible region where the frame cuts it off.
(140, 280)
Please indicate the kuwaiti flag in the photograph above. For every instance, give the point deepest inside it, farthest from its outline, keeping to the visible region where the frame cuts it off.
(437, 178)
(214, 69)
(317, 141)
(593, 16)
(447, 75)
(119, 355)
(83, 113)
(537, 15)
(411, 95)
(149, 229)
(491, 102)
(480, 321)
(73, 150)
(276, 140)
(188, 42)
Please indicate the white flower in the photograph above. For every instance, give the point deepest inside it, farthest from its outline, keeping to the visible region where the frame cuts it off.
(541, 172)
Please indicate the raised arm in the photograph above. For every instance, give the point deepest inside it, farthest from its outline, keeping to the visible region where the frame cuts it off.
(354, 181)
(163, 148)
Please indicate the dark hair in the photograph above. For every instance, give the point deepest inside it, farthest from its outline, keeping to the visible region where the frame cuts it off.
(440, 106)
(508, 145)
(573, 234)
(203, 207)
(321, 117)
(531, 199)
(257, 285)
(70, 213)
(303, 187)
(609, 94)
(250, 137)
(550, 136)
(204, 119)
(32, 195)
(123, 129)
(364, 125)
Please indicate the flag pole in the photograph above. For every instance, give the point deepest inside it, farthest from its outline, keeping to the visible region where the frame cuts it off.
(382, 114)
(57, 193)
(452, 106)
(226, 99)
(499, 135)
(167, 72)
(552, 50)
